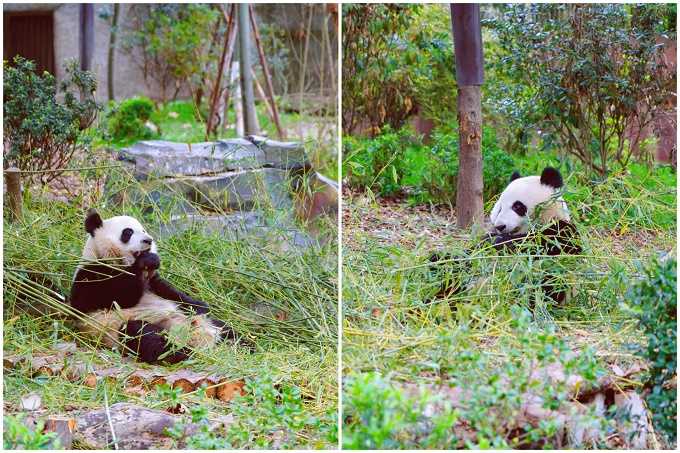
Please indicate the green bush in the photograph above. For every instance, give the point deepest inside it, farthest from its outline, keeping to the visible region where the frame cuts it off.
(40, 132)
(576, 73)
(654, 302)
(17, 435)
(127, 121)
(638, 198)
(396, 160)
(376, 90)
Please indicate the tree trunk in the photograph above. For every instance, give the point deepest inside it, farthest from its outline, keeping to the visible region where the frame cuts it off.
(469, 194)
(267, 75)
(467, 40)
(217, 89)
(112, 50)
(250, 117)
(86, 36)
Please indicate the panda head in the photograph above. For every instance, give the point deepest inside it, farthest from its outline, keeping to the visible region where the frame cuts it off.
(118, 237)
(519, 200)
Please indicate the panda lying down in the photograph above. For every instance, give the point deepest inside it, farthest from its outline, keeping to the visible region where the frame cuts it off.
(525, 201)
(128, 303)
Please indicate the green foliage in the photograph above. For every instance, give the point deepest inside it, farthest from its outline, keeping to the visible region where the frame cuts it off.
(376, 89)
(397, 60)
(577, 73)
(653, 300)
(266, 417)
(42, 132)
(376, 412)
(126, 122)
(394, 160)
(17, 435)
(639, 198)
(193, 432)
(173, 42)
(272, 416)
(430, 62)
(380, 414)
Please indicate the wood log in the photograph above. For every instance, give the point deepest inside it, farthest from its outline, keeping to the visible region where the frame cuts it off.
(13, 181)
(64, 427)
(136, 381)
(227, 390)
(127, 426)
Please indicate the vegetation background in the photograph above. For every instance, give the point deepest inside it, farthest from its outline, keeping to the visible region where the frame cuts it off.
(281, 300)
(583, 88)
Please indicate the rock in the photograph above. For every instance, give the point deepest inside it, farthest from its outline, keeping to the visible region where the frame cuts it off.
(242, 226)
(163, 158)
(235, 190)
(238, 188)
(263, 188)
(135, 428)
(277, 154)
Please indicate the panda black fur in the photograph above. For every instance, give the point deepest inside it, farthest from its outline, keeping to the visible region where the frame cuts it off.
(523, 199)
(126, 300)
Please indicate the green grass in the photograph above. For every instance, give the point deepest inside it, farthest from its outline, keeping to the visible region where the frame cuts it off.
(393, 342)
(246, 282)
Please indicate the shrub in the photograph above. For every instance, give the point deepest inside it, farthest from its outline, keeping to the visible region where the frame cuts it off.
(441, 181)
(173, 45)
(40, 132)
(378, 163)
(431, 64)
(395, 160)
(18, 435)
(653, 301)
(376, 89)
(127, 121)
(588, 75)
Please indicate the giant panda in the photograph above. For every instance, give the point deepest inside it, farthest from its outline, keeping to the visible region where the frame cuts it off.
(531, 216)
(126, 302)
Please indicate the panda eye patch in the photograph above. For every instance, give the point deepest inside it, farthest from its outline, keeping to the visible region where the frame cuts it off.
(126, 235)
(519, 208)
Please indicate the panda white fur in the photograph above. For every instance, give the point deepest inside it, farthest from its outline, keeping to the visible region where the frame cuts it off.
(525, 202)
(127, 303)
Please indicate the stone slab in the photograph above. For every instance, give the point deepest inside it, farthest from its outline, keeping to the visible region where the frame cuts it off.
(170, 159)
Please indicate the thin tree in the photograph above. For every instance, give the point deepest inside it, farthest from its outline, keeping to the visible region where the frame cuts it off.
(248, 96)
(467, 39)
(86, 35)
(112, 51)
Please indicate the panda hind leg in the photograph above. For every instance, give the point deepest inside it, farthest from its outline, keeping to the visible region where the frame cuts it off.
(148, 342)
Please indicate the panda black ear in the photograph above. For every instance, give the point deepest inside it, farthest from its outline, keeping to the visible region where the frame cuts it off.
(551, 177)
(92, 221)
(515, 175)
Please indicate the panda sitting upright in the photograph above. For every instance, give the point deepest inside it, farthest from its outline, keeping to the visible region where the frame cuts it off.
(525, 202)
(128, 303)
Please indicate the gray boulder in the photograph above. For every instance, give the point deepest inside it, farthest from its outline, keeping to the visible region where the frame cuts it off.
(169, 159)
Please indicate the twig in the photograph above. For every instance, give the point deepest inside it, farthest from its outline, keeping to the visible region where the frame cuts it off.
(108, 417)
(71, 169)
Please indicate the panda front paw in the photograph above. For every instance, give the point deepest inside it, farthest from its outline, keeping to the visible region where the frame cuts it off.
(147, 261)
